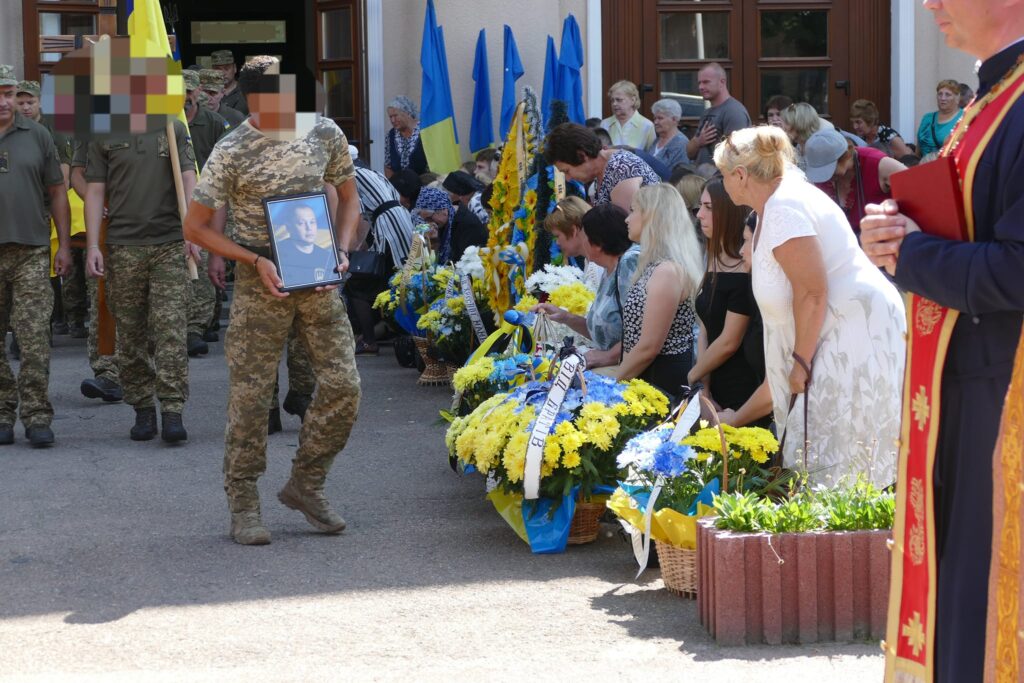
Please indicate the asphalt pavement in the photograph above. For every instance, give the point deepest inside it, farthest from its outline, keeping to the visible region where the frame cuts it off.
(115, 564)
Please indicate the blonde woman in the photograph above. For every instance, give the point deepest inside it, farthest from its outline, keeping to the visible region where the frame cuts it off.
(827, 312)
(658, 317)
(627, 126)
(565, 223)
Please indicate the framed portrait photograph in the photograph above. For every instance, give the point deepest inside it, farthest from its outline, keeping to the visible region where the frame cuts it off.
(302, 240)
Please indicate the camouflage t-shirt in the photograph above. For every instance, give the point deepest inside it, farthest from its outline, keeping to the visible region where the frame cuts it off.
(247, 167)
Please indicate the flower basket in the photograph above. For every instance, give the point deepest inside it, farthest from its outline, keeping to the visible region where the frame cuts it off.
(678, 569)
(586, 522)
(436, 373)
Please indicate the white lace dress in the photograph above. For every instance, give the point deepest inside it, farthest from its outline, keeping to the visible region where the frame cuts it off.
(855, 395)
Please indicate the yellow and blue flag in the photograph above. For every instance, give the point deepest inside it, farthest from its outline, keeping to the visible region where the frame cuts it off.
(437, 118)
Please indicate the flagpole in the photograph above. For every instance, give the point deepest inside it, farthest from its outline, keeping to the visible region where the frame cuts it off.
(179, 189)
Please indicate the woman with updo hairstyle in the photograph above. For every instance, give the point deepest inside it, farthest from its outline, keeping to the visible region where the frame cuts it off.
(607, 246)
(834, 326)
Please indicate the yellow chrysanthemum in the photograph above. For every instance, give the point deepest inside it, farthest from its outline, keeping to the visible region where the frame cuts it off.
(526, 303)
(575, 298)
(472, 374)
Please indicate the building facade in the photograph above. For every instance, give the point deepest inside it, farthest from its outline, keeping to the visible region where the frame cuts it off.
(365, 52)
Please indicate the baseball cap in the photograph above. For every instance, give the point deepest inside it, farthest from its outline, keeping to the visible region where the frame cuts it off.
(211, 79)
(222, 57)
(7, 75)
(821, 152)
(30, 87)
(191, 79)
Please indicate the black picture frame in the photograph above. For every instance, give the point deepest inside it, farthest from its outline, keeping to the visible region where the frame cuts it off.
(297, 269)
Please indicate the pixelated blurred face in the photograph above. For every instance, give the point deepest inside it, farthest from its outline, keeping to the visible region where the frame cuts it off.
(28, 105)
(191, 100)
(622, 104)
(6, 104)
(304, 226)
(276, 107)
(229, 72)
(215, 96)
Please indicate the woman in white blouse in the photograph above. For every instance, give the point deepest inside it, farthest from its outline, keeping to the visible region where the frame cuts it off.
(834, 326)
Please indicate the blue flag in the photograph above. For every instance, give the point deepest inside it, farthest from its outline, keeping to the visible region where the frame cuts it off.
(437, 113)
(513, 72)
(481, 129)
(551, 68)
(570, 61)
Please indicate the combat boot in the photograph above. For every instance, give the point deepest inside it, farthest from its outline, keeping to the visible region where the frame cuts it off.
(145, 424)
(6, 434)
(171, 428)
(101, 387)
(312, 504)
(274, 421)
(196, 346)
(247, 528)
(296, 403)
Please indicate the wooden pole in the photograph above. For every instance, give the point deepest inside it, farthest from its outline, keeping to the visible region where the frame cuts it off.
(179, 188)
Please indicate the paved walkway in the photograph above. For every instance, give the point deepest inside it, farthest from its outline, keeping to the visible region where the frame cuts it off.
(115, 563)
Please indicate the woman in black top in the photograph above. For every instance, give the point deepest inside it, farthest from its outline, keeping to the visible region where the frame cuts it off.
(757, 410)
(724, 302)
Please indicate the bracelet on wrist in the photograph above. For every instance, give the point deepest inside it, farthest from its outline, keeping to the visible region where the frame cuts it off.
(94, 246)
(256, 260)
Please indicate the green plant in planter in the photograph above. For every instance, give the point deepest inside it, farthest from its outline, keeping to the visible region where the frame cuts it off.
(857, 507)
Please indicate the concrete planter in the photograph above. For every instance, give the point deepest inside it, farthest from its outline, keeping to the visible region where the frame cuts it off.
(830, 586)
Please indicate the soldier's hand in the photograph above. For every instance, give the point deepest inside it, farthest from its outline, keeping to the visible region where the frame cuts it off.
(341, 269)
(94, 262)
(217, 272)
(192, 252)
(62, 261)
(267, 271)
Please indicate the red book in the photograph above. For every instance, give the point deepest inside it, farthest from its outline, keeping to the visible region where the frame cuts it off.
(931, 195)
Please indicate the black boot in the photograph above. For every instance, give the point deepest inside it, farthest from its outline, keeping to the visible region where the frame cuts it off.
(145, 424)
(274, 421)
(196, 345)
(296, 404)
(101, 387)
(172, 430)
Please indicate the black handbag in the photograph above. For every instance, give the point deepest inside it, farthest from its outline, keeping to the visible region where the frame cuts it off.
(367, 264)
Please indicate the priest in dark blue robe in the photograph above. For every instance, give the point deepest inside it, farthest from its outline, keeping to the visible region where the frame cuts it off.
(984, 281)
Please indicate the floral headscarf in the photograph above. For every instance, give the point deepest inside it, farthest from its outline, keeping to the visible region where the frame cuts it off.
(434, 199)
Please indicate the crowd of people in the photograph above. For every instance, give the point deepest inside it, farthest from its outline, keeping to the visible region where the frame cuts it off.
(728, 258)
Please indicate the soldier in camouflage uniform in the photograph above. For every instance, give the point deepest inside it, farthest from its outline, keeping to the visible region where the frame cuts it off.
(206, 128)
(70, 308)
(105, 383)
(224, 62)
(29, 173)
(212, 83)
(255, 162)
(148, 281)
(301, 384)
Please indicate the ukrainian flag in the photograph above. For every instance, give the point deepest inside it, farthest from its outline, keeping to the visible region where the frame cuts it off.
(437, 118)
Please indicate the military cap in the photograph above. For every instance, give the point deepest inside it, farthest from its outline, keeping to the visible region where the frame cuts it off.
(30, 87)
(461, 183)
(191, 79)
(7, 75)
(222, 57)
(211, 79)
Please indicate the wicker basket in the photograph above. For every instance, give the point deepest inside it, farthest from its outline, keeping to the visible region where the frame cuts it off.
(436, 373)
(678, 569)
(585, 522)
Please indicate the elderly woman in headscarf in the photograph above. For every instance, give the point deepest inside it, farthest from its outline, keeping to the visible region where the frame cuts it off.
(453, 231)
(402, 146)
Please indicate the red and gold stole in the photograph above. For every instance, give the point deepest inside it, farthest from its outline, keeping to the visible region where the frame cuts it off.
(910, 636)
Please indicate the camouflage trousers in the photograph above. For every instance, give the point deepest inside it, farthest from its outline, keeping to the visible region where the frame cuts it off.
(260, 325)
(72, 290)
(25, 284)
(148, 287)
(102, 366)
(202, 299)
(301, 378)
